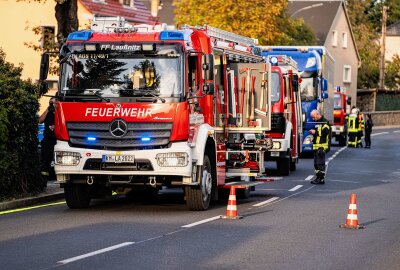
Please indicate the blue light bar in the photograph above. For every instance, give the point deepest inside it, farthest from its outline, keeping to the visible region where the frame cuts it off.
(145, 139)
(171, 35)
(81, 35)
(91, 139)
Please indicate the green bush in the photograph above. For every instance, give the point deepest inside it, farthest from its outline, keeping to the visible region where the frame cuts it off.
(19, 160)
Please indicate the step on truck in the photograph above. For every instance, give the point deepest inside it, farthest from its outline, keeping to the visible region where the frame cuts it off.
(286, 116)
(142, 107)
(316, 67)
(341, 109)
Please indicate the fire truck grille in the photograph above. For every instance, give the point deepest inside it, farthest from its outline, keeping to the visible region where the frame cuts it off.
(336, 120)
(97, 165)
(138, 136)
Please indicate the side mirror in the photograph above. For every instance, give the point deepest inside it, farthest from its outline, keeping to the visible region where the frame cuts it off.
(208, 67)
(325, 95)
(348, 100)
(208, 89)
(324, 85)
(44, 67)
(295, 83)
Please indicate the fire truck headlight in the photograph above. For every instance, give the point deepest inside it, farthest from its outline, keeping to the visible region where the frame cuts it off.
(67, 158)
(276, 145)
(308, 139)
(177, 159)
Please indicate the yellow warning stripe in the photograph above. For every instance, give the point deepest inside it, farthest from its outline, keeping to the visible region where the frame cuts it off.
(30, 208)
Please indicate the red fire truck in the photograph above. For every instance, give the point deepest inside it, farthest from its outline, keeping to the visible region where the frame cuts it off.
(142, 107)
(341, 108)
(286, 123)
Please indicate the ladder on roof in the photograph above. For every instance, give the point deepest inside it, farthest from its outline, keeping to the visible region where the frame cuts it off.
(120, 25)
(230, 37)
(284, 60)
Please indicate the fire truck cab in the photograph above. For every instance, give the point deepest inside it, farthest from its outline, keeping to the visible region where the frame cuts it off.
(341, 109)
(141, 107)
(286, 121)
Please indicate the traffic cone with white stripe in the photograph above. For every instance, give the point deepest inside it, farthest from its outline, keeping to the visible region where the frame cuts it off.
(231, 209)
(352, 218)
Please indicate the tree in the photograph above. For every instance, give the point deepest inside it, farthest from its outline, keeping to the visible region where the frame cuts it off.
(374, 12)
(18, 132)
(266, 20)
(392, 74)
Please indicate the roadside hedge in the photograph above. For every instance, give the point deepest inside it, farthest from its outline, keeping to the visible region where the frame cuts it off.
(19, 160)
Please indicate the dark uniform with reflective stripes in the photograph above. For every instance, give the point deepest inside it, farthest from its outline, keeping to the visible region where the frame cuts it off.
(320, 146)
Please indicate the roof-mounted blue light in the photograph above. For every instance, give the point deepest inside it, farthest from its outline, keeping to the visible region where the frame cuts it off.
(171, 35)
(81, 35)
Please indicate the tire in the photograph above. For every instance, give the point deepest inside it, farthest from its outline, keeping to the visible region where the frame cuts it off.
(243, 193)
(283, 166)
(293, 163)
(198, 198)
(77, 196)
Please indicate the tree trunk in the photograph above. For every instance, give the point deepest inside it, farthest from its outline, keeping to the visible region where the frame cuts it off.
(67, 19)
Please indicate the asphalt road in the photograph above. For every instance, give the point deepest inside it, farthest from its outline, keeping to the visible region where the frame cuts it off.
(286, 224)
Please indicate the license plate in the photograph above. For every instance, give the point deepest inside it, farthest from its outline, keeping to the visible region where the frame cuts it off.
(118, 158)
(274, 154)
(337, 132)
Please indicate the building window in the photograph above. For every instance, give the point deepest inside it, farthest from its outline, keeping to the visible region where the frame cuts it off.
(334, 38)
(48, 36)
(344, 40)
(129, 3)
(347, 74)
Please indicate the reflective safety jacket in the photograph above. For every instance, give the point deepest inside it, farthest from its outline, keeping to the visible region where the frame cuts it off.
(353, 123)
(361, 121)
(321, 136)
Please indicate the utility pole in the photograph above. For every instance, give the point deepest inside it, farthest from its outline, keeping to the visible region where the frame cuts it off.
(383, 41)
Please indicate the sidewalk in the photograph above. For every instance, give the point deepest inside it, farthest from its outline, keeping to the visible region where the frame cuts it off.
(53, 192)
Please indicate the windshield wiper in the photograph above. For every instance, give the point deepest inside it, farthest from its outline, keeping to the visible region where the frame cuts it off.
(101, 97)
(144, 93)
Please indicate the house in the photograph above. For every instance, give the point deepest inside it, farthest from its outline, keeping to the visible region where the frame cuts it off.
(392, 43)
(16, 31)
(330, 22)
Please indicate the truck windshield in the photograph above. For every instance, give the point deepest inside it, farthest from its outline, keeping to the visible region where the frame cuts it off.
(133, 73)
(337, 103)
(307, 89)
(275, 87)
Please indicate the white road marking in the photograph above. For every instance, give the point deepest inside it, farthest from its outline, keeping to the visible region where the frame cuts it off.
(267, 201)
(201, 222)
(396, 131)
(344, 181)
(295, 188)
(95, 253)
(375, 134)
(309, 177)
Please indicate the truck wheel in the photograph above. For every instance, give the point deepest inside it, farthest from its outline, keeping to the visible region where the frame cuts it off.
(77, 196)
(283, 166)
(198, 198)
(293, 164)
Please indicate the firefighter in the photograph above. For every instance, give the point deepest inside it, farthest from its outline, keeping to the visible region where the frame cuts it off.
(320, 145)
(352, 127)
(360, 133)
(368, 130)
(49, 140)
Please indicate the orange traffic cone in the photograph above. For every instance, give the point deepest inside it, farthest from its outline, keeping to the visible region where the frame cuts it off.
(352, 219)
(231, 209)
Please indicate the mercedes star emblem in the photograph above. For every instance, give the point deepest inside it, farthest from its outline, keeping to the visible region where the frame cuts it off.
(118, 128)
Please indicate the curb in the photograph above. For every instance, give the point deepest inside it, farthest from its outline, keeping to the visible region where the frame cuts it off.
(31, 201)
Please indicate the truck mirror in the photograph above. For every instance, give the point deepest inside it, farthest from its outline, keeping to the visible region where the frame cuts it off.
(44, 67)
(208, 67)
(324, 85)
(208, 89)
(348, 100)
(295, 83)
(325, 95)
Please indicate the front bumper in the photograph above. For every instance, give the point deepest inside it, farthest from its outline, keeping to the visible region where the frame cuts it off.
(145, 163)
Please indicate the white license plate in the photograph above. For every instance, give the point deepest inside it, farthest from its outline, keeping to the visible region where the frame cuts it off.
(274, 154)
(337, 132)
(118, 158)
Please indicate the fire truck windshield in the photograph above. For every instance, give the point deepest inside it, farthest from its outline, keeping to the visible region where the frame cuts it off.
(307, 89)
(337, 103)
(124, 73)
(275, 87)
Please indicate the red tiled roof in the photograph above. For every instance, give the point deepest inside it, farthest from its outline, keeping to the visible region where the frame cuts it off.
(139, 14)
